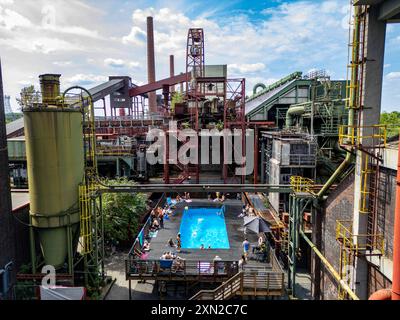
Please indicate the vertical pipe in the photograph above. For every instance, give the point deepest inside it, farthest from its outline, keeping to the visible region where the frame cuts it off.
(102, 233)
(166, 160)
(262, 161)
(172, 70)
(255, 155)
(151, 68)
(396, 239)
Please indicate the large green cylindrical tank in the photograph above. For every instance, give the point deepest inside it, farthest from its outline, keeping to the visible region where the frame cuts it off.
(55, 161)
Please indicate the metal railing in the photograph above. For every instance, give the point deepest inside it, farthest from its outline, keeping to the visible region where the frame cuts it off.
(357, 243)
(113, 150)
(301, 184)
(140, 269)
(136, 249)
(302, 159)
(246, 284)
(356, 136)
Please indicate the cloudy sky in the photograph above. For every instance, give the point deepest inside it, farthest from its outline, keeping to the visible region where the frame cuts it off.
(263, 41)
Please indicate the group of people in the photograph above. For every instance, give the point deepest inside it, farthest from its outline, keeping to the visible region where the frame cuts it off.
(158, 216)
(261, 247)
(186, 197)
(247, 211)
(178, 261)
(176, 245)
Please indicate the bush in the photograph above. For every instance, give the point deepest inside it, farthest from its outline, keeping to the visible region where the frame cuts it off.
(122, 212)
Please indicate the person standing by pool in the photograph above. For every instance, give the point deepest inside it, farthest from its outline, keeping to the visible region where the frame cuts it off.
(178, 243)
(161, 218)
(246, 247)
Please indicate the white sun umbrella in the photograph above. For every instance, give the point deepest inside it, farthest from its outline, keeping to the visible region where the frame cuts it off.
(256, 224)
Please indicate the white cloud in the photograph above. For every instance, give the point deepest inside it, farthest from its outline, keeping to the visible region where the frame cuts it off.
(246, 67)
(393, 75)
(62, 63)
(40, 45)
(10, 20)
(86, 79)
(137, 36)
(120, 63)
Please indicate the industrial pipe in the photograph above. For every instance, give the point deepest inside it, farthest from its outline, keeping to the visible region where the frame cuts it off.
(259, 85)
(352, 104)
(383, 294)
(396, 238)
(330, 268)
(294, 110)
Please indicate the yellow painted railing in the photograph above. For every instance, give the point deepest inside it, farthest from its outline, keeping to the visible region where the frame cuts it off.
(354, 136)
(86, 214)
(301, 184)
(357, 243)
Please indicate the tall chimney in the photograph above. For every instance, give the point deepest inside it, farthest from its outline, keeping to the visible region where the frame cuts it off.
(151, 68)
(171, 70)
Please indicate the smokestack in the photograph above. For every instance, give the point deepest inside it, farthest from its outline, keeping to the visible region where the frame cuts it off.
(171, 70)
(151, 68)
(7, 226)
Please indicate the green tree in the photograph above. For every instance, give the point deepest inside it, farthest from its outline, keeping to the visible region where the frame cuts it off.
(28, 95)
(392, 120)
(122, 212)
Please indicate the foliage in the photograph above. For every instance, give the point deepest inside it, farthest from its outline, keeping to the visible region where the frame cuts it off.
(10, 117)
(220, 125)
(186, 125)
(28, 95)
(392, 119)
(122, 212)
(176, 97)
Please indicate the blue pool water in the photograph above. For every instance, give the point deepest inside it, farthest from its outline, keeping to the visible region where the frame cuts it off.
(204, 226)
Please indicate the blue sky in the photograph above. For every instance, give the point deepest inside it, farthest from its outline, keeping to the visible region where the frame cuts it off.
(263, 41)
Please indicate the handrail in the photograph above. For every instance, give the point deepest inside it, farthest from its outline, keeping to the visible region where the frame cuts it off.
(202, 268)
(216, 293)
(246, 283)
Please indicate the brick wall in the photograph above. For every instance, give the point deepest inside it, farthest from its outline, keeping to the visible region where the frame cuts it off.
(339, 206)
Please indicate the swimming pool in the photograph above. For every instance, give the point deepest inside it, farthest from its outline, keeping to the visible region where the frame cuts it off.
(204, 226)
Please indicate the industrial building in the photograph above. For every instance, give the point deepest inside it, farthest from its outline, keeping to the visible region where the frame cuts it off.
(325, 184)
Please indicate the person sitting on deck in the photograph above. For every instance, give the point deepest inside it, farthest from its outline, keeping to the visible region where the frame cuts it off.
(155, 225)
(178, 198)
(152, 215)
(202, 247)
(146, 246)
(171, 243)
(222, 198)
(169, 256)
(179, 264)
